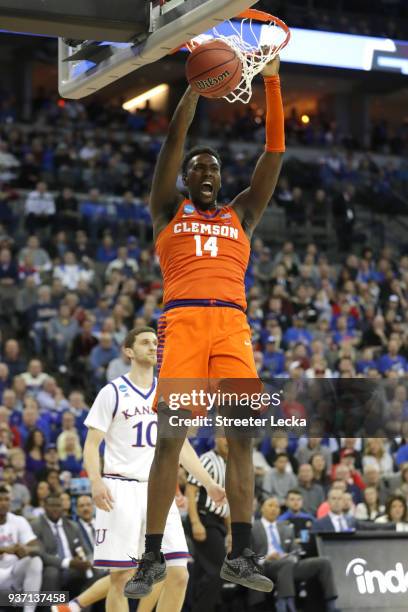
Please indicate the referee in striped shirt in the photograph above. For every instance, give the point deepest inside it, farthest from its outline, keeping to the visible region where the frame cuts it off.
(209, 527)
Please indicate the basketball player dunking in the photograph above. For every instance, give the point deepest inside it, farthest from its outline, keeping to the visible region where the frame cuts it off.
(204, 249)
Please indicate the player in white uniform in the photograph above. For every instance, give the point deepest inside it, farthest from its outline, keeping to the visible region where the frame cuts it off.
(122, 416)
(20, 565)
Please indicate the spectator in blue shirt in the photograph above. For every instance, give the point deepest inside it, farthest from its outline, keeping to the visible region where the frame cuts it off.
(298, 333)
(274, 360)
(92, 207)
(34, 449)
(126, 208)
(295, 514)
(94, 212)
(143, 213)
(101, 312)
(100, 357)
(106, 252)
(402, 453)
(31, 420)
(342, 332)
(69, 452)
(80, 410)
(133, 248)
(366, 362)
(392, 360)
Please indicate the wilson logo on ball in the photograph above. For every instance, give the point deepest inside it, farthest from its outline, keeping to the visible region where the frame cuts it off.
(214, 69)
(211, 81)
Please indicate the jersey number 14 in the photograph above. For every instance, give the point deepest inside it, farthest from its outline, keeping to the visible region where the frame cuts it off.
(210, 246)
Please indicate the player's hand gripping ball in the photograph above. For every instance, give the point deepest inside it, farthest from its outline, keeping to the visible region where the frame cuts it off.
(214, 69)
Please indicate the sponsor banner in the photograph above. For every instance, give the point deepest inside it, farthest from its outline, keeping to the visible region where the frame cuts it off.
(370, 570)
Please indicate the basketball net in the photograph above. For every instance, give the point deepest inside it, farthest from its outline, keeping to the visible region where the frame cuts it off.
(256, 37)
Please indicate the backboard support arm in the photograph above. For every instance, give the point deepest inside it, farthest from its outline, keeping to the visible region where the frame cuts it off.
(169, 29)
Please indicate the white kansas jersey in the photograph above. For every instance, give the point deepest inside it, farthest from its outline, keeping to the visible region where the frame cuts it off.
(124, 413)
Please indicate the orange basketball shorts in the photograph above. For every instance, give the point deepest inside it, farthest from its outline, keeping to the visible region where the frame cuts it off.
(204, 341)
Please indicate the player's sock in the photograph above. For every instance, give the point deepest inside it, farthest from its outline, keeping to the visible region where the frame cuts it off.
(241, 538)
(74, 606)
(153, 544)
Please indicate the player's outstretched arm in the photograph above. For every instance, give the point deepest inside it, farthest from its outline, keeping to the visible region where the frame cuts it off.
(190, 462)
(165, 196)
(100, 491)
(252, 202)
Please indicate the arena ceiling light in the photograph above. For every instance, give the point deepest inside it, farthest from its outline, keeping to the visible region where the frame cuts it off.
(136, 102)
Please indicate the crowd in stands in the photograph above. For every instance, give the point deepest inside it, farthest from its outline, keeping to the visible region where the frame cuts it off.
(387, 18)
(78, 270)
(318, 131)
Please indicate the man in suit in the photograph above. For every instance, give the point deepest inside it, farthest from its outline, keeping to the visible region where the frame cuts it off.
(335, 520)
(276, 542)
(85, 511)
(85, 520)
(60, 542)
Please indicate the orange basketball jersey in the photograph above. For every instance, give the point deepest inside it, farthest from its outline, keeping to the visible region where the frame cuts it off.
(204, 255)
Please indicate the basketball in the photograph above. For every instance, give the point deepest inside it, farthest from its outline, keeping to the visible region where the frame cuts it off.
(214, 69)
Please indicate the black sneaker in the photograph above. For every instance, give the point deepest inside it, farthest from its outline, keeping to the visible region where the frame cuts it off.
(147, 574)
(246, 571)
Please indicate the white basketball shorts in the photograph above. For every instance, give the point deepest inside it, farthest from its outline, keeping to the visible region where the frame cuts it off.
(120, 533)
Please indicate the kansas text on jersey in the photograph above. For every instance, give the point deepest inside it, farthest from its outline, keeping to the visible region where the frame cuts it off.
(124, 413)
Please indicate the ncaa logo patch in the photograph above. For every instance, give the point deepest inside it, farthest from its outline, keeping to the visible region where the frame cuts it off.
(189, 209)
(122, 388)
(226, 216)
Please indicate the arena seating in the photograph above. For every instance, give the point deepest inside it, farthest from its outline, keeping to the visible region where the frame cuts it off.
(78, 270)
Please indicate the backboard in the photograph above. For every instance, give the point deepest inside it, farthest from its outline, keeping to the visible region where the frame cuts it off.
(96, 65)
(76, 19)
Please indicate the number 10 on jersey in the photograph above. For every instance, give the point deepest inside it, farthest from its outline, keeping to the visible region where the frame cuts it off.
(210, 246)
(145, 437)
